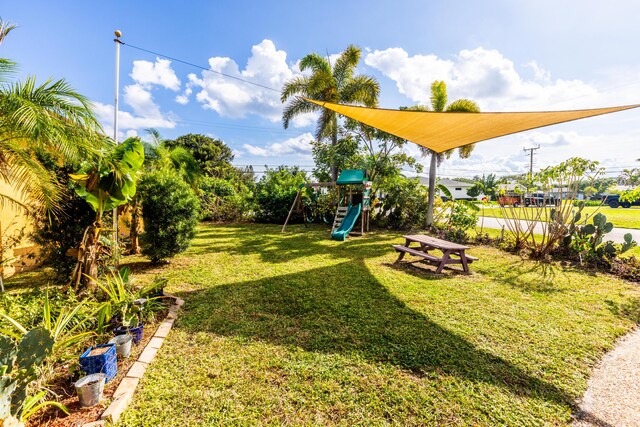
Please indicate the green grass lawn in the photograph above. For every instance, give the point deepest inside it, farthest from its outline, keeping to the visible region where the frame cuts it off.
(620, 217)
(296, 329)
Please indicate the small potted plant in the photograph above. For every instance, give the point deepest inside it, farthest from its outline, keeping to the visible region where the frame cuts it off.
(130, 322)
(156, 288)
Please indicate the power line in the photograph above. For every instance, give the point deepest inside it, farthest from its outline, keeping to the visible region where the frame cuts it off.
(199, 66)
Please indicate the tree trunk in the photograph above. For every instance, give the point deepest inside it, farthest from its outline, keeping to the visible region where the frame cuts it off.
(334, 142)
(135, 227)
(432, 190)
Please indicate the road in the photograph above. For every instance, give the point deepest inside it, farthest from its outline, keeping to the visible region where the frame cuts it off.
(617, 234)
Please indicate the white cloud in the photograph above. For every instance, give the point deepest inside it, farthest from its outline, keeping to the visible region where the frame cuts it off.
(127, 122)
(300, 145)
(158, 73)
(493, 80)
(267, 66)
(138, 96)
(538, 72)
(184, 98)
(485, 76)
(141, 101)
(305, 119)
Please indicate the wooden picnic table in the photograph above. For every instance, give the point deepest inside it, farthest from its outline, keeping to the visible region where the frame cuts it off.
(428, 243)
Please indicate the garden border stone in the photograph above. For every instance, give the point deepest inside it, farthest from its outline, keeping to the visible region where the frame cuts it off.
(127, 387)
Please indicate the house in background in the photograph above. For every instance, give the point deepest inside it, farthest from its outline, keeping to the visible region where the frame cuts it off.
(458, 189)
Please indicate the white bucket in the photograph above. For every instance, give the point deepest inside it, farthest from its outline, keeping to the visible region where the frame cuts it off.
(90, 389)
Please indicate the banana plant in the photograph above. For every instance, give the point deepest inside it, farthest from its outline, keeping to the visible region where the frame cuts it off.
(105, 185)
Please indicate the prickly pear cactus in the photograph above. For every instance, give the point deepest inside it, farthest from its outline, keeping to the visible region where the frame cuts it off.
(34, 347)
(7, 387)
(8, 353)
(18, 365)
(628, 243)
(601, 227)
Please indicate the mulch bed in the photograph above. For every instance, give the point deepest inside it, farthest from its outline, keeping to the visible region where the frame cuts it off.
(63, 386)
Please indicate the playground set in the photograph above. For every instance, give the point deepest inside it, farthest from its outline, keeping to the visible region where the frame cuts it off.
(353, 204)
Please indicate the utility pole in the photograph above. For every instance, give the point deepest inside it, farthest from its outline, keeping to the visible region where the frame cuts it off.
(118, 34)
(531, 150)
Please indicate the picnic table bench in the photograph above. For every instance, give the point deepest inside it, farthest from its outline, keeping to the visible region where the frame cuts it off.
(428, 243)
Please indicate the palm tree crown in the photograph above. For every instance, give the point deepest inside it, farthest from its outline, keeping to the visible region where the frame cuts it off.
(50, 117)
(336, 84)
(439, 104)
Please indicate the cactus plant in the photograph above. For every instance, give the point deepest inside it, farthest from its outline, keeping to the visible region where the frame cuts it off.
(602, 227)
(18, 366)
(628, 243)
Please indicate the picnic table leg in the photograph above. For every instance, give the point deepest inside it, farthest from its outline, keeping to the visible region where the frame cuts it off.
(400, 257)
(443, 262)
(463, 259)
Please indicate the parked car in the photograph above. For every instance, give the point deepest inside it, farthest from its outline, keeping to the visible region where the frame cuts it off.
(540, 199)
(509, 199)
(613, 200)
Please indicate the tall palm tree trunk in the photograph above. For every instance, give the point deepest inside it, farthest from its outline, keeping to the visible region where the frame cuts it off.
(432, 190)
(334, 143)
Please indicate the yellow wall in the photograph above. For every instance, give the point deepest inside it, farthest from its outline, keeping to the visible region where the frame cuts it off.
(13, 222)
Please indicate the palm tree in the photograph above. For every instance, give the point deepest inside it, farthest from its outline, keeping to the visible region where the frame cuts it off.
(50, 117)
(337, 84)
(439, 104)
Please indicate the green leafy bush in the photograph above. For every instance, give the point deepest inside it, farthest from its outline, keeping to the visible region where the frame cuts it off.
(404, 205)
(170, 212)
(55, 236)
(275, 193)
(224, 200)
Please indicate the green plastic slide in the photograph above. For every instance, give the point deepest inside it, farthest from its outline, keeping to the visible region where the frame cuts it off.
(347, 223)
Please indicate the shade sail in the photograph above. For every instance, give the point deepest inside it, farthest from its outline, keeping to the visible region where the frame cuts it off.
(443, 131)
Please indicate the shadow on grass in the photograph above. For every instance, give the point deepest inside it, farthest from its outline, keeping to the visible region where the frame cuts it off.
(275, 247)
(425, 271)
(539, 277)
(344, 309)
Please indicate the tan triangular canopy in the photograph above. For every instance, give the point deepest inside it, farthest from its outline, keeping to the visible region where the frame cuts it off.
(443, 131)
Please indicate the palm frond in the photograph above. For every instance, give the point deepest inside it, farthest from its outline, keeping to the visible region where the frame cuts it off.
(316, 63)
(438, 95)
(326, 125)
(7, 67)
(155, 135)
(296, 107)
(51, 115)
(346, 64)
(361, 89)
(5, 28)
(465, 151)
(322, 87)
(295, 86)
(463, 106)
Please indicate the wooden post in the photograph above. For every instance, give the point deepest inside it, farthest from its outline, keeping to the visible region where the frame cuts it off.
(295, 201)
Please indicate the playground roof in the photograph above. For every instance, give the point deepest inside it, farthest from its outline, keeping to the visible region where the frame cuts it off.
(443, 131)
(351, 176)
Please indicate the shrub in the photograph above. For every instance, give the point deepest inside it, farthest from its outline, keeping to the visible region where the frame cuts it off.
(404, 204)
(55, 236)
(170, 214)
(224, 200)
(275, 193)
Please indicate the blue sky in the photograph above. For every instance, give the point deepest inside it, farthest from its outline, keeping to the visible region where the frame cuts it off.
(506, 55)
